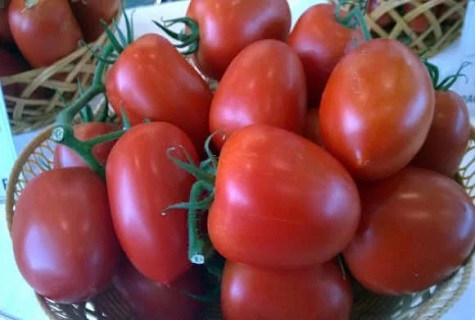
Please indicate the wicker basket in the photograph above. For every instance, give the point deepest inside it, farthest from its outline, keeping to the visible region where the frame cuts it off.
(425, 25)
(431, 304)
(35, 108)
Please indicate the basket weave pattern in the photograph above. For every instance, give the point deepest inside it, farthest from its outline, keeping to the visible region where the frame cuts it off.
(430, 304)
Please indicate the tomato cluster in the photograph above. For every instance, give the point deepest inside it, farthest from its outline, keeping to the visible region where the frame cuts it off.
(328, 158)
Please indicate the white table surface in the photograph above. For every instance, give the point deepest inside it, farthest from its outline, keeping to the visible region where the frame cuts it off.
(17, 299)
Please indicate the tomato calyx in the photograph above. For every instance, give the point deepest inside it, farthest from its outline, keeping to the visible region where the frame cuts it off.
(188, 40)
(354, 17)
(448, 82)
(30, 3)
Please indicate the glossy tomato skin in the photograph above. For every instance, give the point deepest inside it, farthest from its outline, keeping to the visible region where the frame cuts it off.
(44, 32)
(320, 41)
(5, 32)
(89, 14)
(318, 292)
(375, 125)
(448, 137)
(151, 300)
(417, 228)
(63, 240)
(265, 83)
(151, 80)
(66, 157)
(280, 200)
(226, 27)
(142, 181)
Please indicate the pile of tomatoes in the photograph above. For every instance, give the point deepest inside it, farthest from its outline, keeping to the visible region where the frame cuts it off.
(37, 33)
(329, 158)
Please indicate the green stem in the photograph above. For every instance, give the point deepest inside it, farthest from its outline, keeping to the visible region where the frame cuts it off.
(355, 16)
(449, 81)
(189, 40)
(198, 173)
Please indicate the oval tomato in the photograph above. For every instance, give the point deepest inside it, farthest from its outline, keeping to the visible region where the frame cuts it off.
(5, 32)
(265, 83)
(63, 239)
(151, 80)
(89, 14)
(375, 125)
(151, 300)
(320, 42)
(44, 30)
(319, 292)
(142, 181)
(417, 228)
(66, 157)
(448, 137)
(280, 200)
(245, 22)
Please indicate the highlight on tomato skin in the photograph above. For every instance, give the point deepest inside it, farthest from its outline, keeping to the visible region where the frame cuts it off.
(281, 191)
(374, 125)
(317, 292)
(417, 229)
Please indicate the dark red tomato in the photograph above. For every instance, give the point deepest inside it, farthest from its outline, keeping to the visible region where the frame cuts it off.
(318, 292)
(265, 83)
(280, 200)
(11, 64)
(385, 19)
(63, 239)
(228, 26)
(44, 30)
(142, 181)
(419, 23)
(375, 125)
(448, 137)
(320, 41)
(418, 226)
(151, 300)
(5, 32)
(66, 157)
(89, 14)
(151, 80)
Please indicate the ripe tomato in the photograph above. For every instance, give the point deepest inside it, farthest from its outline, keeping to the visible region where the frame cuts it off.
(265, 83)
(417, 228)
(10, 64)
(228, 26)
(5, 32)
(63, 239)
(151, 80)
(318, 292)
(320, 41)
(312, 131)
(65, 157)
(44, 30)
(385, 19)
(419, 24)
(280, 200)
(151, 300)
(89, 14)
(142, 181)
(375, 125)
(448, 137)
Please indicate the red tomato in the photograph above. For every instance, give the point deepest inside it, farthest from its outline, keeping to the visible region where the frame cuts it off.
(151, 300)
(280, 200)
(151, 80)
(45, 30)
(89, 14)
(312, 130)
(385, 19)
(320, 41)
(11, 64)
(419, 24)
(142, 181)
(318, 292)
(448, 137)
(375, 125)
(417, 228)
(228, 26)
(265, 83)
(63, 239)
(65, 157)
(5, 32)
